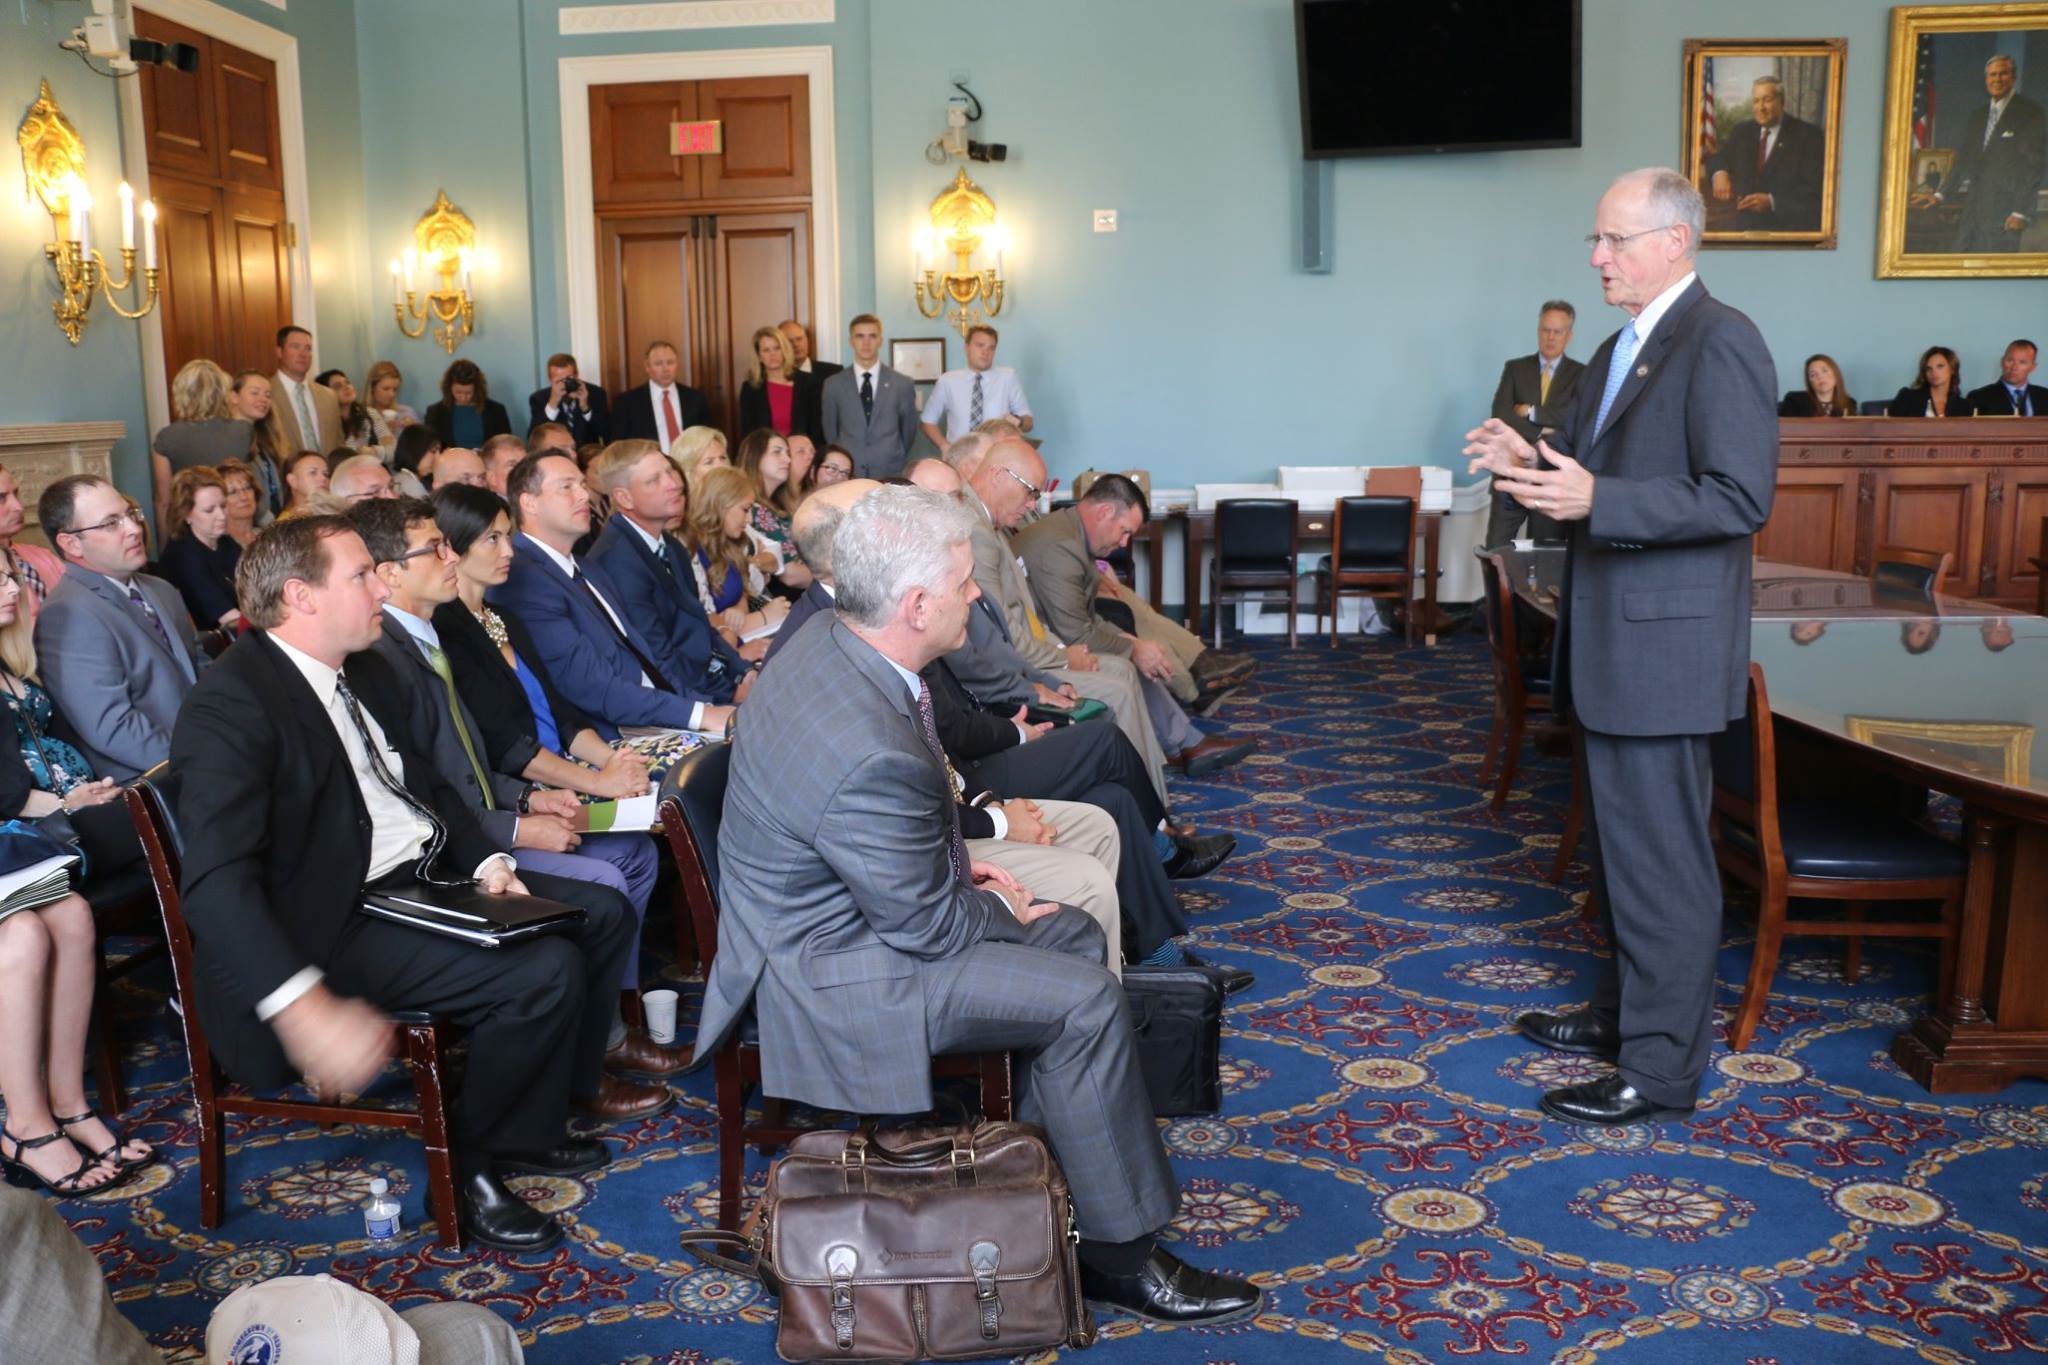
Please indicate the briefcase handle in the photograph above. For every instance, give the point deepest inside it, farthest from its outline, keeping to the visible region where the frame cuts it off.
(954, 1149)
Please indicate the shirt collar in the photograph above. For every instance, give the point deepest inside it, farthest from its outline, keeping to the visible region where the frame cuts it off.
(910, 679)
(1646, 321)
(563, 562)
(652, 542)
(419, 629)
(875, 370)
(318, 676)
(1998, 106)
(830, 591)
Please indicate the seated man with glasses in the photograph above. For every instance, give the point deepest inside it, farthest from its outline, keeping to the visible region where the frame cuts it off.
(117, 648)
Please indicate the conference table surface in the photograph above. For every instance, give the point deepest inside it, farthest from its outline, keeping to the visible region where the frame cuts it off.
(1945, 693)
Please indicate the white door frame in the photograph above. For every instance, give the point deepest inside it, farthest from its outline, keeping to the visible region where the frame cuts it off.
(218, 22)
(580, 74)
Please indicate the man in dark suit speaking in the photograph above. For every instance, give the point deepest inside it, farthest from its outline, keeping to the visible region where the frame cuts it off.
(1534, 394)
(1998, 167)
(1663, 473)
(1771, 165)
(867, 941)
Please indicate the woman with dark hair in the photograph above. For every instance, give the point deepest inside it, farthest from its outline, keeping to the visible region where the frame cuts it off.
(1939, 390)
(1825, 394)
(467, 415)
(304, 475)
(238, 482)
(362, 427)
(764, 458)
(417, 447)
(200, 557)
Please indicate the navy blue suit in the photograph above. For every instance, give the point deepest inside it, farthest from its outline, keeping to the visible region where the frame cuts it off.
(581, 649)
(814, 600)
(665, 608)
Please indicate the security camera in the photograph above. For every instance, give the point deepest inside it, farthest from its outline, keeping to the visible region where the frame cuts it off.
(988, 151)
(177, 56)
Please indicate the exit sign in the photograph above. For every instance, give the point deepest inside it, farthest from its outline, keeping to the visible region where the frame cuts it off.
(705, 137)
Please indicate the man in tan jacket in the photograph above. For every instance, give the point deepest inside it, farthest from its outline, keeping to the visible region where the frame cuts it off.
(307, 413)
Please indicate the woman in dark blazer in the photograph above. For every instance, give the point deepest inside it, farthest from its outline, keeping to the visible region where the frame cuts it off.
(1826, 394)
(467, 415)
(776, 395)
(200, 558)
(1939, 390)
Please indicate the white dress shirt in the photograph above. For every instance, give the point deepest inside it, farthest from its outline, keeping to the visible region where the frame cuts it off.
(662, 396)
(568, 566)
(953, 399)
(1655, 310)
(396, 834)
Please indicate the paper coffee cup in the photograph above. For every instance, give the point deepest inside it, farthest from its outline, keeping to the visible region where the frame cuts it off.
(1524, 545)
(661, 1015)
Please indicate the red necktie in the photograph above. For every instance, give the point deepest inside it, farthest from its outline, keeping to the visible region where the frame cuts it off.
(668, 414)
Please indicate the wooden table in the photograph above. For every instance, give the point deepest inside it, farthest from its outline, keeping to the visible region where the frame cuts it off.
(1197, 527)
(1947, 695)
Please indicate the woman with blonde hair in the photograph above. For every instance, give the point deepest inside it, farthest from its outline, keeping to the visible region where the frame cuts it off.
(698, 450)
(265, 456)
(730, 579)
(777, 395)
(204, 429)
(199, 556)
(240, 498)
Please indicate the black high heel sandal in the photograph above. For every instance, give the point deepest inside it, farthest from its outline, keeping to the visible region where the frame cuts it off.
(21, 1174)
(111, 1155)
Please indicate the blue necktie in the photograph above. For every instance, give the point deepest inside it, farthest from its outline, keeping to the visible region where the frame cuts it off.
(2019, 403)
(1617, 372)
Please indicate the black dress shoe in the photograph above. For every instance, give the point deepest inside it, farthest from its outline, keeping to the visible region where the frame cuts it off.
(495, 1217)
(1169, 1290)
(1610, 1101)
(1198, 855)
(1581, 1031)
(1232, 979)
(570, 1156)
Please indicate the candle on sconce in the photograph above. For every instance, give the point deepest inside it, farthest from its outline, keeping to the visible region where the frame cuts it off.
(81, 220)
(149, 234)
(397, 291)
(411, 261)
(464, 258)
(127, 193)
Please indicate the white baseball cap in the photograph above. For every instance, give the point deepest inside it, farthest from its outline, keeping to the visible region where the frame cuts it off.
(307, 1320)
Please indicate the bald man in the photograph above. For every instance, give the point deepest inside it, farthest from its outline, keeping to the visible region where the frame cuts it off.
(458, 464)
(811, 527)
(361, 478)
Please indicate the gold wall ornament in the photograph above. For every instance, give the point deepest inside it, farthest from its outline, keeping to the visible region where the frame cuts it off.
(53, 163)
(444, 241)
(963, 222)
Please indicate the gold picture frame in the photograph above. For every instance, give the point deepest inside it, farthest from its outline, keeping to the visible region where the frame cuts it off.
(1937, 98)
(1775, 189)
(1999, 750)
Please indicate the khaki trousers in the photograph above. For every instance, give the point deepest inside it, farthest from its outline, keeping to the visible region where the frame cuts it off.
(1077, 868)
(1183, 646)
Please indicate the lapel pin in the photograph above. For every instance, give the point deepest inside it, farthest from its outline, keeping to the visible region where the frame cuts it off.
(1642, 371)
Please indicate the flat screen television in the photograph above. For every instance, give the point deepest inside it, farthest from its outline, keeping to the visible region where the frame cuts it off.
(1400, 77)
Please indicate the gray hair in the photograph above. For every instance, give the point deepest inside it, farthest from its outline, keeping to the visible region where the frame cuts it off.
(967, 450)
(1672, 200)
(889, 542)
(347, 471)
(2005, 57)
(1557, 306)
(1768, 80)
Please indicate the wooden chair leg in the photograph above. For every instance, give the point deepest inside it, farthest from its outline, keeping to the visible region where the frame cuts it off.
(1292, 642)
(732, 1148)
(1945, 962)
(1574, 821)
(1763, 965)
(631, 1010)
(1852, 945)
(773, 1115)
(1510, 759)
(423, 1055)
(1500, 725)
(686, 938)
(213, 1156)
(995, 1087)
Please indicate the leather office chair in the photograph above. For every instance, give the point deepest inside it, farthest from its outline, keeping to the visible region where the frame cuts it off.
(1873, 407)
(1257, 544)
(692, 804)
(1903, 571)
(1820, 850)
(1372, 544)
(151, 804)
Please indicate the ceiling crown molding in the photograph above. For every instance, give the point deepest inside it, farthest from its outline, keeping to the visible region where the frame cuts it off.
(585, 20)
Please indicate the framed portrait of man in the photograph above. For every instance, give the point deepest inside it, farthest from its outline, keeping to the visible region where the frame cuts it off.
(1762, 133)
(1965, 142)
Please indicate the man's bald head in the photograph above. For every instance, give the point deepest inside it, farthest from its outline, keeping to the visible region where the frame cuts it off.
(936, 476)
(458, 465)
(817, 521)
(1009, 480)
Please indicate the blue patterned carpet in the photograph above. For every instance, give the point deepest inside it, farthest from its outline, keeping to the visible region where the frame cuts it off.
(1380, 1167)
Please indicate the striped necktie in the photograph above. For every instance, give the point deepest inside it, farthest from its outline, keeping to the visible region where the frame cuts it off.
(956, 847)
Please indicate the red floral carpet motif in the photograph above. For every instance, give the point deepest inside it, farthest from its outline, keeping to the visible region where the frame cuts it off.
(1477, 1312)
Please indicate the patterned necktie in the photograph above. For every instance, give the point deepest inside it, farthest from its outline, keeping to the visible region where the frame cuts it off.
(437, 834)
(1617, 372)
(867, 394)
(956, 847)
(156, 623)
(2019, 403)
(309, 430)
(974, 405)
(1543, 388)
(438, 661)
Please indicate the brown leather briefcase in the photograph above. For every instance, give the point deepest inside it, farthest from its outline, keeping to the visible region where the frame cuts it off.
(919, 1244)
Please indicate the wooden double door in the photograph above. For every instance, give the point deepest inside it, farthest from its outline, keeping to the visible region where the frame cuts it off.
(216, 173)
(700, 250)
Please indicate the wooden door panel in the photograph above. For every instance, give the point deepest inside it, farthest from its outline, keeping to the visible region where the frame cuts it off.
(767, 131)
(629, 141)
(2020, 536)
(762, 274)
(1813, 519)
(645, 269)
(247, 88)
(179, 111)
(262, 266)
(194, 298)
(1935, 509)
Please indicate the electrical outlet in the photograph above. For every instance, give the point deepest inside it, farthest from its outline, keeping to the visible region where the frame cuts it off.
(1105, 220)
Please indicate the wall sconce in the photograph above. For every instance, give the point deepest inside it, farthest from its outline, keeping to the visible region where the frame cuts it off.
(445, 243)
(961, 217)
(53, 162)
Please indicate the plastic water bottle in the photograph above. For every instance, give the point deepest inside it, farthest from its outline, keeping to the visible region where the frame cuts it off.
(380, 1215)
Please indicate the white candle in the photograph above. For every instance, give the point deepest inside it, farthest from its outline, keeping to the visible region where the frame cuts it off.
(81, 221)
(411, 259)
(465, 269)
(397, 292)
(127, 193)
(149, 234)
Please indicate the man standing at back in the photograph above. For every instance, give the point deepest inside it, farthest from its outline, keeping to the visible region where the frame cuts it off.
(1662, 472)
(869, 408)
(308, 413)
(963, 399)
(1534, 394)
(661, 409)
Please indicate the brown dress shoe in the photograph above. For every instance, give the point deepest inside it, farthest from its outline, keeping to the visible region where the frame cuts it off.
(617, 1098)
(638, 1052)
(1216, 751)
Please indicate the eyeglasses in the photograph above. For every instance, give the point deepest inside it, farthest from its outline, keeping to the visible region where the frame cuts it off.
(437, 546)
(1615, 241)
(118, 519)
(1033, 489)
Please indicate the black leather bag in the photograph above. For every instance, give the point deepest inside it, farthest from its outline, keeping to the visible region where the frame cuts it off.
(1177, 1019)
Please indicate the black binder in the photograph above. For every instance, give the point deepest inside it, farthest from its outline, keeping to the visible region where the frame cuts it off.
(469, 913)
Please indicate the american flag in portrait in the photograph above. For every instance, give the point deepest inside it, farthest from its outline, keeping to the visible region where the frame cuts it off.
(1923, 93)
(1708, 141)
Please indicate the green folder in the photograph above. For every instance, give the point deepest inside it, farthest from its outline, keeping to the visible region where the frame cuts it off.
(1089, 709)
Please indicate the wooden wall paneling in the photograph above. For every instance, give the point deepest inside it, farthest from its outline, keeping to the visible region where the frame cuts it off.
(195, 294)
(629, 141)
(645, 269)
(263, 279)
(767, 137)
(2018, 519)
(249, 138)
(179, 108)
(761, 274)
(1936, 509)
(1813, 519)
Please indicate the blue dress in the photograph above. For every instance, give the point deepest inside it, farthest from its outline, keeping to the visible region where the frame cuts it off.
(56, 766)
